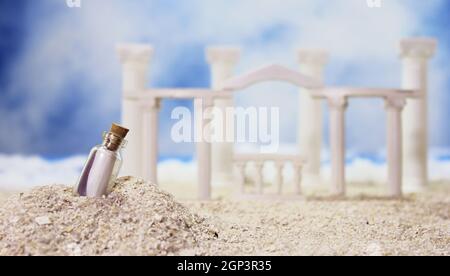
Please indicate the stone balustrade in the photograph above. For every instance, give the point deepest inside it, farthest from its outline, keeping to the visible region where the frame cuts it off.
(242, 161)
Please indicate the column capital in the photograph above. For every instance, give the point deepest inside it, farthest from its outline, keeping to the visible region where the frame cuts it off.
(418, 48)
(151, 103)
(134, 53)
(205, 102)
(299, 163)
(337, 102)
(312, 56)
(223, 54)
(395, 102)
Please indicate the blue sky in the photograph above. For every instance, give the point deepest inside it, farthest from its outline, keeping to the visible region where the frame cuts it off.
(60, 76)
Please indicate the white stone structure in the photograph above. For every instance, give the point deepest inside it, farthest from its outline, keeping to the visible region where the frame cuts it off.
(415, 54)
(223, 61)
(338, 101)
(135, 60)
(242, 161)
(309, 86)
(310, 132)
(140, 113)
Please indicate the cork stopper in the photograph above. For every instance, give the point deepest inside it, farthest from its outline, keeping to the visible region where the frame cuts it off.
(119, 130)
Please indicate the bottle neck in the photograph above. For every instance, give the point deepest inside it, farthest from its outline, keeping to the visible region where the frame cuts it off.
(112, 142)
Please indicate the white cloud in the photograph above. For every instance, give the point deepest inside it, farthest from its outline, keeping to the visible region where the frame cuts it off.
(18, 173)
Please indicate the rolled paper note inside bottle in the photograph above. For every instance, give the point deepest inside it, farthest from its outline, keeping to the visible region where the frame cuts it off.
(103, 164)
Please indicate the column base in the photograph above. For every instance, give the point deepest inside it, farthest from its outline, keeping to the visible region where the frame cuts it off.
(412, 186)
(222, 180)
(309, 180)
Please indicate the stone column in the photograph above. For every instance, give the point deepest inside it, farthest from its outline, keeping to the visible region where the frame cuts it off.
(415, 54)
(240, 168)
(279, 179)
(203, 148)
(394, 108)
(150, 140)
(298, 177)
(223, 61)
(310, 123)
(135, 59)
(259, 177)
(338, 106)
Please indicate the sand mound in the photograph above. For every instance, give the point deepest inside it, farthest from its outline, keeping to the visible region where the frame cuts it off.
(135, 219)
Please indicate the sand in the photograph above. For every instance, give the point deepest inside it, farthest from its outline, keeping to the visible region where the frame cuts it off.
(359, 225)
(135, 219)
(353, 227)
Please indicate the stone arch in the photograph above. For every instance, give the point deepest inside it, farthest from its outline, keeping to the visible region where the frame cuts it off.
(272, 72)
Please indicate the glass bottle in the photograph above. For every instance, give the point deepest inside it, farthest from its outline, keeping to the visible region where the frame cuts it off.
(103, 164)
